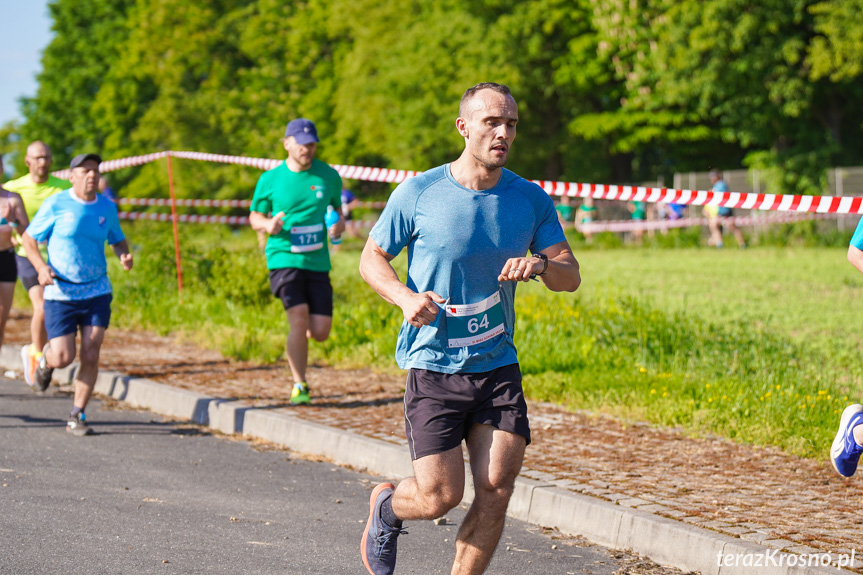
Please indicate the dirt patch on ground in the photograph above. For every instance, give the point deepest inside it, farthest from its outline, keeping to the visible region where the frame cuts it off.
(758, 494)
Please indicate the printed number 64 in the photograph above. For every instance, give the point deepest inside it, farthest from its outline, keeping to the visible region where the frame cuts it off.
(473, 325)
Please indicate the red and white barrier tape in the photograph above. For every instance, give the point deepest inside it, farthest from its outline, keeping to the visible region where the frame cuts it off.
(185, 203)
(739, 221)
(185, 218)
(348, 172)
(746, 201)
(112, 165)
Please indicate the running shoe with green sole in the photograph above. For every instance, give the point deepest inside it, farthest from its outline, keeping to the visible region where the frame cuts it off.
(300, 394)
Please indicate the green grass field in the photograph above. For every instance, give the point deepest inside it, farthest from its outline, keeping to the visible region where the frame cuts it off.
(761, 346)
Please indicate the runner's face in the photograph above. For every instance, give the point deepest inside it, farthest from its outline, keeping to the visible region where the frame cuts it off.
(38, 161)
(303, 154)
(85, 178)
(489, 128)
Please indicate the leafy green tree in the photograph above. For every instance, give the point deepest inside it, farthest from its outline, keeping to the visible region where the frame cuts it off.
(608, 90)
(551, 46)
(726, 71)
(837, 51)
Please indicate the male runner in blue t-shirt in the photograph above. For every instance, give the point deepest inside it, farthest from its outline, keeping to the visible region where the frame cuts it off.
(848, 443)
(76, 223)
(467, 227)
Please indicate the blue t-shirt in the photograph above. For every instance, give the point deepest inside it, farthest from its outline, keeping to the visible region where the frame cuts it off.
(675, 211)
(76, 232)
(458, 241)
(857, 238)
(722, 187)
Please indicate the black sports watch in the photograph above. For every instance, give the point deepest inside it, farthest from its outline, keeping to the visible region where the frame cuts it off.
(544, 259)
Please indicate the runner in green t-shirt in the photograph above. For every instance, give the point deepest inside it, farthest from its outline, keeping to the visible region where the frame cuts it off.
(585, 214)
(565, 211)
(290, 204)
(34, 188)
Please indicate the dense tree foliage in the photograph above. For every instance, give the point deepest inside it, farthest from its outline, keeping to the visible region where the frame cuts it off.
(608, 90)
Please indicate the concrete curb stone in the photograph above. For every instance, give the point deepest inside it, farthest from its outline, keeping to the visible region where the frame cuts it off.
(664, 540)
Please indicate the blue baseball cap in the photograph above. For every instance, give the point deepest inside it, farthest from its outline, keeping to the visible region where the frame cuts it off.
(303, 131)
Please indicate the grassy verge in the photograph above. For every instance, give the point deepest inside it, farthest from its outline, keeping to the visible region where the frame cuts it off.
(760, 346)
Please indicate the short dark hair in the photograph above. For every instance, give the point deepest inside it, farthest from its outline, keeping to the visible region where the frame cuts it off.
(469, 93)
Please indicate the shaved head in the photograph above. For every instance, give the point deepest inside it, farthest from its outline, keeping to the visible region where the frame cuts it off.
(467, 104)
(38, 148)
(38, 160)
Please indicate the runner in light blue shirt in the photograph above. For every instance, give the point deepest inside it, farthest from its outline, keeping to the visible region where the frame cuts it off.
(458, 240)
(467, 227)
(76, 223)
(76, 231)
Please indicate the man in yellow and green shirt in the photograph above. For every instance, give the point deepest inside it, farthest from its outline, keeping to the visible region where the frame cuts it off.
(34, 188)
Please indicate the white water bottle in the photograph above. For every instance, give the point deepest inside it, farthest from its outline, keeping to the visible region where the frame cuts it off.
(330, 219)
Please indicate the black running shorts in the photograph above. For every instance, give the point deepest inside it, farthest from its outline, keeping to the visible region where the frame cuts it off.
(26, 272)
(8, 266)
(296, 287)
(441, 408)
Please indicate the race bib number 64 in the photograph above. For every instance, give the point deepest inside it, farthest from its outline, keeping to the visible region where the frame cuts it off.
(474, 323)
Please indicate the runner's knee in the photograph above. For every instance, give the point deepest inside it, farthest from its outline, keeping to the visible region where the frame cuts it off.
(62, 357)
(319, 326)
(496, 488)
(492, 499)
(89, 355)
(438, 501)
(298, 318)
(319, 333)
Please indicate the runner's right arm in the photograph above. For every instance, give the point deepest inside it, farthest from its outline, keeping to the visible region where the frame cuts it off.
(260, 222)
(419, 309)
(46, 274)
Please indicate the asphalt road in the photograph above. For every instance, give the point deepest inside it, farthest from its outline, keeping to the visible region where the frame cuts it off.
(144, 495)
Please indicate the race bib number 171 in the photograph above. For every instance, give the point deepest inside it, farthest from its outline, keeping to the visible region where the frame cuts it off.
(307, 238)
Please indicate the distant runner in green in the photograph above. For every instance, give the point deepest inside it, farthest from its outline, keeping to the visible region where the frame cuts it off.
(289, 205)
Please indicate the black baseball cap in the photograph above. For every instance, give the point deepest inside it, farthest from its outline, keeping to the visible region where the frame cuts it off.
(81, 158)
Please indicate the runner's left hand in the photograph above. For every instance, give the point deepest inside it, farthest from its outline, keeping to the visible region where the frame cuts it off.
(520, 269)
(46, 276)
(126, 261)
